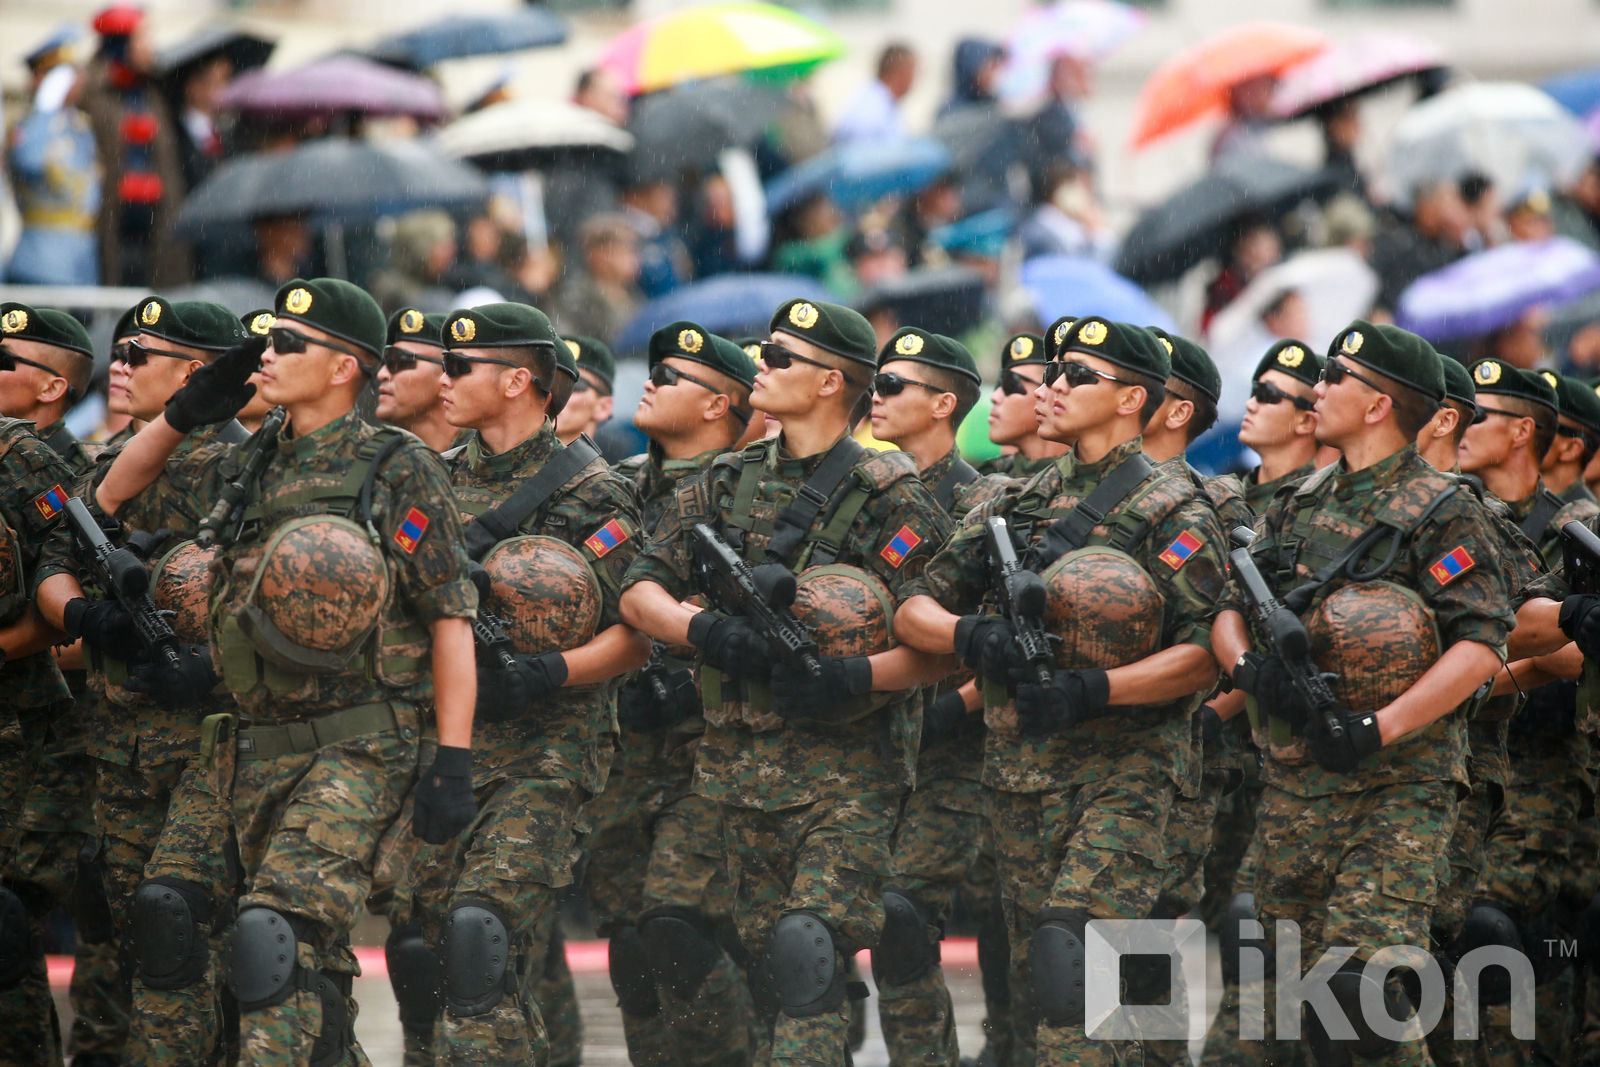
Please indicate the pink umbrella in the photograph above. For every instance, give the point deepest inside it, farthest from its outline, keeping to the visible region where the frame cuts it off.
(1372, 62)
(337, 83)
(1084, 29)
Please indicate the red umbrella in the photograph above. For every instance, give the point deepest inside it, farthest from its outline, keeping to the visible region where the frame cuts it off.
(337, 83)
(1372, 62)
(1194, 83)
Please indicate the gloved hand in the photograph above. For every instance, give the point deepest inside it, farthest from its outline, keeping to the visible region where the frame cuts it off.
(1580, 620)
(104, 625)
(1072, 697)
(443, 805)
(1343, 754)
(1267, 679)
(215, 392)
(641, 707)
(942, 715)
(732, 645)
(180, 689)
(797, 693)
(506, 693)
(1211, 724)
(987, 645)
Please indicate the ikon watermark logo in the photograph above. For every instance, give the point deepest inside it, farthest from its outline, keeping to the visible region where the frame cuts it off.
(1347, 1011)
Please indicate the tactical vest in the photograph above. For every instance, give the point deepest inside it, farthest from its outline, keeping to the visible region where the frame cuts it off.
(13, 578)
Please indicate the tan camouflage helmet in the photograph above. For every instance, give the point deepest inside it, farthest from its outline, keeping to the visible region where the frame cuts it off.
(1377, 637)
(849, 611)
(544, 592)
(321, 587)
(1103, 606)
(181, 583)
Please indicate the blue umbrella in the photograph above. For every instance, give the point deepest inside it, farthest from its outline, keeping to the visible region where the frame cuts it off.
(1078, 286)
(1577, 90)
(1487, 290)
(729, 304)
(854, 175)
(471, 35)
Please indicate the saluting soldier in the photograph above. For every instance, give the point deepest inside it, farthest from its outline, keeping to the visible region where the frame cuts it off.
(1011, 419)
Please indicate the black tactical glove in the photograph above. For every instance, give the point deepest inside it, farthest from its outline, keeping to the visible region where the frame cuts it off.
(1343, 754)
(215, 392)
(1211, 724)
(798, 694)
(941, 715)
(176, 689)
(658, 698)
(987, 645)
(442, 804)
(731, 645)
(1072, 697)
(506, 693)
(104, 625)
(1267, 679)
(1580, 620)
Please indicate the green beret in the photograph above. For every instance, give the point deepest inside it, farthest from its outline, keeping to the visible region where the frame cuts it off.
(1055, 335)
(46, 326)
(934, 349)
(1493, 377)
(1293, 357)
(335, 307)
(594, 356)
(127, 325)
(259, 321)
(1578, 402)
(1121, 343)
(410, 324)
(1458, 381)
(193, 323)
(1022, 348)
(505, 325)
(1394, 353)
(831, 327)
(751, 346)
(1190, 363)
(692, 341)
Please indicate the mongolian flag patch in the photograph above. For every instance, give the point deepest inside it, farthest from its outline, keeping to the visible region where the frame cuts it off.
(1452, 565)
(606, 538)
(900, 546)
(411, 530)
(51, 501)
(1178, 553)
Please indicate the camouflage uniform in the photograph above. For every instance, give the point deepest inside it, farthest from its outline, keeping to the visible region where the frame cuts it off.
(1015, 466)
(656, 844)
(1080, 819)
(807, 814)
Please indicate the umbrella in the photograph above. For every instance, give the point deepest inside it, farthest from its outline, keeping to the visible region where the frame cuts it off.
(459, 36)
(946, 300)
(1085, 29)
(1578, 91)
(1487, 290)
(244, 50)
(715, 39)
(685, 129)
(337, 83)
(1336, 284)
(859, 173)
(333, 180)
(1194, 83)
(530, 134)
(1077, 285)
(1374, 61)
(729, 304)
(1198, 220)
(1511, 132)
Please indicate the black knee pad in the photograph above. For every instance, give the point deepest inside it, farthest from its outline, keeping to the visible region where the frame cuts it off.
(1056, 966)
(416, 975)
(16, 939)
(681, 945)
(171, 922)
(906, 949)
(334, 1039)
(87, 903)
(1346, 987)
(632, 978)
(1241, 908)
(804, 971)
(1489, 925)
(262, 966)
(477, 958)
(994, 957)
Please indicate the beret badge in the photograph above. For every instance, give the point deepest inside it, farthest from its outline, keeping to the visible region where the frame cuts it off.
(690, 341)
(1292, 356)
(298, 302)
(1093, 333)
(803, 315)
(463, 330)
(1488, 372)
(908, 345)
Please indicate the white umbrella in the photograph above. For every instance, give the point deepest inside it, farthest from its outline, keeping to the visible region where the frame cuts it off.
(519, 134)
(1084, 29)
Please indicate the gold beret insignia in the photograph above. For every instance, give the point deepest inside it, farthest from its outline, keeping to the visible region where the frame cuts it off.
(575, 348)
(1062, 328)
(1022, 348)
(1487, 373)
(151, 313)
(298, 302)
(1550, 377)
(753, 351)
(803, 315)
(1165, 344)
(908, 345)
(1352, 343)
(411, 321)
(16, 321)
(463, 330)
(690, 341)
(1292, 356)
(1093, 333)
(262, 323)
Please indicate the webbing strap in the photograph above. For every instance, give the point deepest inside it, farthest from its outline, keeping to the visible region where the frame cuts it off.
(794, 522)
(1071, 532)
(499, 523)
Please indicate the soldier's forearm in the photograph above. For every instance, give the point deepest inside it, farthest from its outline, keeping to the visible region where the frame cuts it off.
(903, 667)
(28, 635)
(1230, 639)
(455, 680)
(137, 465)
(1564, 663)
(1227, 705)
(1453, 678)
(52, 596)
(922, 623)
(1537, 632)
(613, 651)
(650, 609)
(1171, 674)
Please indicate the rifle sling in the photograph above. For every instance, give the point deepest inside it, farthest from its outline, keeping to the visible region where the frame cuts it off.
(1544, 509)
(960, 473)
(1071, 532)
(499, 523)
(795, 521)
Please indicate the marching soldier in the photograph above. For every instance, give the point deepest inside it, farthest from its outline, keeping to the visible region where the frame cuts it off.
(411, 381)
(592, 403)
(1577, 439)
(1279, 422)
(1011, 420)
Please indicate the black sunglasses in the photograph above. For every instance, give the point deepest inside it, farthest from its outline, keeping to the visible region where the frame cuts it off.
(1014, 384)
(1334, 372)
(285, 342)
(778, 357)
(662, 376)
(1267, 393)
(891, 384)
(1484, 412)
(9, 361)
(135, 354)
(458, 366)
(1078, 374)
(397, 359)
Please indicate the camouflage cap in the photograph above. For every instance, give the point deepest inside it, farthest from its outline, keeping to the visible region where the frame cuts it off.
(259, 321)
(1458, 381)
(1190, 363)
(594, 356)
(410, 324)
(693, 342)
(934, 349)
(194, 323)
(831, 327)
(1394, 353)
(1293, 357)
(1055, 335)
(335, 307)
(1578, 402)
(47, 326)
(1493, 377)
(504, 325)
(1121, 343)
(1022, 348)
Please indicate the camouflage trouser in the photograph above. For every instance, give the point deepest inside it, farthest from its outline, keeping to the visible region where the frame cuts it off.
(1459, 887)
(1096, 849)
(309, 826)
(1234, 825)
(827, 858)
(942, 850)
(519, 850)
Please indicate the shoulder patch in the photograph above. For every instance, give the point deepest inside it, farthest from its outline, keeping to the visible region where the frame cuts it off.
(606, 538)
(1183, 546)
(51, 501)
(1452, 565)
(409, 536)
(901, 545)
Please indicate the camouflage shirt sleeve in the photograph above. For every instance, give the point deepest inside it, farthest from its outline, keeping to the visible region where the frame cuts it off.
(432, 572)
(1193, 585)
(664, 560)
(603, 517)
(37, 483)
(900, 530)
(1471, 599)
(958, 574)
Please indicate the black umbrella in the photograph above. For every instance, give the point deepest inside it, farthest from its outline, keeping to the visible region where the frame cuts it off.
(684, 129)
(459, 36)
(984, 146)
(942, 299)
(1199, 220)
(244, 50)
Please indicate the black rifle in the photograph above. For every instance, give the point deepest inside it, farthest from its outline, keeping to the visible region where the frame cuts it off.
(1285, 636)
(762, 594)
(257, 454)
(654, 673)
(124, 575)
(1580, 555)
(1022, 599)
(487, 628)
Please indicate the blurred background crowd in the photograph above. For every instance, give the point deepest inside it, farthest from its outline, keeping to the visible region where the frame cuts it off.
(684, 164)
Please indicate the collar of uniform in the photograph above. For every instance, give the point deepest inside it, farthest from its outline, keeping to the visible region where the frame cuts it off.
(1379, 475)
(1072, 469)
(677, 468)
(534, 450)
(785, 466)
(304, 446)
(1520, 509)
(940, 467)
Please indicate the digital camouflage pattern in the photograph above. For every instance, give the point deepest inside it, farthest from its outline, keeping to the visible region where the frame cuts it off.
(544, 592)
(180, 582)
(1014, 466)
(33, 486)
(322, 584)
(1258, 494)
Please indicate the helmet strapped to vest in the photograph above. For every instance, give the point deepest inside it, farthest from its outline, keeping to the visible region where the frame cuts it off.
(544, 592)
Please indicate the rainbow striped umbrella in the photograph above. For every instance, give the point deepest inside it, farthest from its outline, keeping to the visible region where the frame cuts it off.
(716, 39)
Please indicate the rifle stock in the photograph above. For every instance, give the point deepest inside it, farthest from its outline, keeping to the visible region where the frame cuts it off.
(124, 575)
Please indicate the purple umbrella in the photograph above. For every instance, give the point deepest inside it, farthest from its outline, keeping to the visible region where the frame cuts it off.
(337, 83)
(1488, 290)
